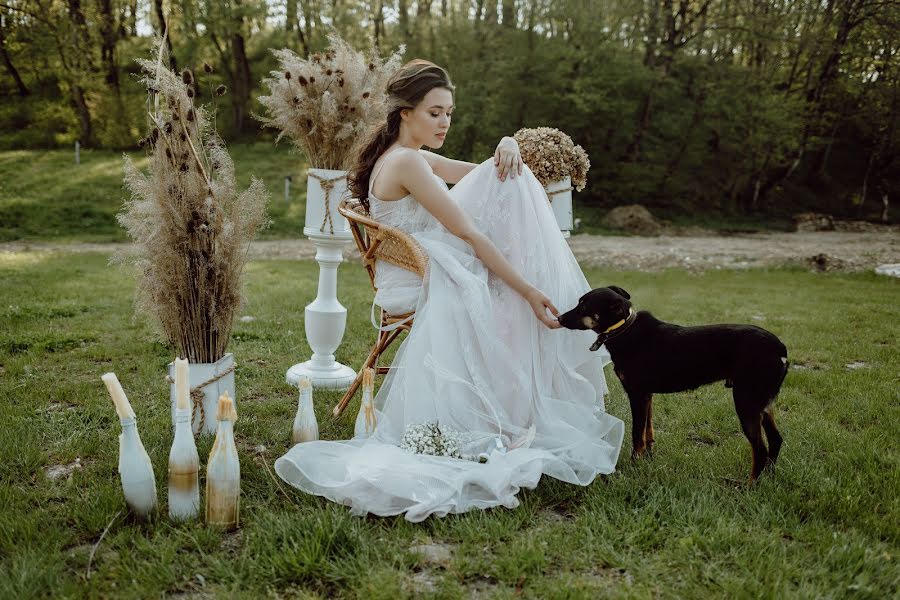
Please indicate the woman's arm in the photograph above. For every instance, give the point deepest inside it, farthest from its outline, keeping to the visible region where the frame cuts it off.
(415, 175)
(448, 169)
(507, 159)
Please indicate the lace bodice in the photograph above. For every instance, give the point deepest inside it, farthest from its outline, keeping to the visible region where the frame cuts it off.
(405, 214)
(398, 288)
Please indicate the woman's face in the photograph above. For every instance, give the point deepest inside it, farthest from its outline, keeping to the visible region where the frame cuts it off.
(429, 121)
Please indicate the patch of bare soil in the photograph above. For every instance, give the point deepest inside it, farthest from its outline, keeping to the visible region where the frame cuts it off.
(817, 250)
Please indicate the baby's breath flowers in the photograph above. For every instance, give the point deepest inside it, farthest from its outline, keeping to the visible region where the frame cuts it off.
(324, 103)
(191, 227)
(432, 438)
(552, 155)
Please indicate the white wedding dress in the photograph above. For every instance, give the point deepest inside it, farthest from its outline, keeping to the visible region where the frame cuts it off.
(478, 361)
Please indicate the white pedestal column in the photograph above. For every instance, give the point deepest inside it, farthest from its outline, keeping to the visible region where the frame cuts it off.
(325, 319)
(560, 194)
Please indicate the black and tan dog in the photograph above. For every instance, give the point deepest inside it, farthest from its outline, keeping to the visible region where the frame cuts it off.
(651, 356)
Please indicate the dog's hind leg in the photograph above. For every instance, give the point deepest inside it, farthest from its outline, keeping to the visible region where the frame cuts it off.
(639, 405)
(773, 437)
(751, 422)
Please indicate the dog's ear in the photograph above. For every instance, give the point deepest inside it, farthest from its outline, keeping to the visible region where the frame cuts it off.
(620, 292)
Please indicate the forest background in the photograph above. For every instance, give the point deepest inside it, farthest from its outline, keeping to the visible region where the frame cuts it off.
(736, 108)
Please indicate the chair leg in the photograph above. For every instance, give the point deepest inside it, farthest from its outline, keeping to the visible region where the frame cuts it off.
(385, 339)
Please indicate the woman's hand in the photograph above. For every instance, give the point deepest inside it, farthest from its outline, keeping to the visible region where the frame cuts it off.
(539, 304)
(508, 159)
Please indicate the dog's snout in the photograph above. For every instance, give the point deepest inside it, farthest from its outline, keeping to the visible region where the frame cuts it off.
(572, 320)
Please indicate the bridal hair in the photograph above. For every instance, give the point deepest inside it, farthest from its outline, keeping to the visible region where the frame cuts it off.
(405, 89)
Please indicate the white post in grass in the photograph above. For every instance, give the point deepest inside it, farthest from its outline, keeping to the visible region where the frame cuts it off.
(77, 152)
(325, 317)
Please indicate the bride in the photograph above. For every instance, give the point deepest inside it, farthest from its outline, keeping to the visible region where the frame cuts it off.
(483, 358)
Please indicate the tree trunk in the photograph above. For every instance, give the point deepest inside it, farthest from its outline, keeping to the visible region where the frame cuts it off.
(490, 12)
(308, 20)
(242, 83)
(290, 15)
(132, 17)
(652, 33)
(423, 11)
(865, 182)
(163, 30)
(644, 113)
(696, 119)
(86, 132)
(379, 22)
(403, 10)
(509, 13)
(10, 67)
(109, 38)
(77, 16)
(828, 72)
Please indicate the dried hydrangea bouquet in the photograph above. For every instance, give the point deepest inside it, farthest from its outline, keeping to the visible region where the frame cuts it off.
(324, 105)
(191, 231)
(558, 164)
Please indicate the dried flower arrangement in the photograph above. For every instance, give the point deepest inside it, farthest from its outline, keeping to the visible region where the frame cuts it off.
(552, 155)
(324, 103)
(191, 227)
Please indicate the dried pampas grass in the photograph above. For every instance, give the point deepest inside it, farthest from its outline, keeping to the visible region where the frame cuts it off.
(552, 155)
(324, 103)
(190, 226)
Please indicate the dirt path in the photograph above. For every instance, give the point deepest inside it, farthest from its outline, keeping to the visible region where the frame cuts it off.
(838, 251)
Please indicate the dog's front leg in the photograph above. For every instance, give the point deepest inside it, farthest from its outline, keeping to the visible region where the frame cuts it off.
(640, 402)
(649, 436)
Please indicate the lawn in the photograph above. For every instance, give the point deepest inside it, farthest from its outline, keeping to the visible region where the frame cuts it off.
(44, 195)
(826, 523)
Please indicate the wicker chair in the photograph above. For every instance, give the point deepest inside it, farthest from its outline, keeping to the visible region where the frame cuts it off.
(380, 242)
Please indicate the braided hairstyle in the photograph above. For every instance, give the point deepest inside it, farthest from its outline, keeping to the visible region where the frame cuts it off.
(405, 89)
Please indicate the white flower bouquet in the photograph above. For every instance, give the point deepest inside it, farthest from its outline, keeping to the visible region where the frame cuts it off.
(432, 438)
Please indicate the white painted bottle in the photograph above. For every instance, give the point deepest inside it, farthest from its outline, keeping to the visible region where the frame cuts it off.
(306, 428)
(365, 420)
(135, 468)
(223, 471)
(184, 461)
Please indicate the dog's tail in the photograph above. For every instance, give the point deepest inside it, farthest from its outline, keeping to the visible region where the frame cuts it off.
(785, 367)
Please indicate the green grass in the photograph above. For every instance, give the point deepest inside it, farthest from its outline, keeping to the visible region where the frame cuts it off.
(826, 523)
(44, 195)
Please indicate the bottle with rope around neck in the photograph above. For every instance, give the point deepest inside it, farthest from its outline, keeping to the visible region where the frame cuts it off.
(184, 461)
(223, 471)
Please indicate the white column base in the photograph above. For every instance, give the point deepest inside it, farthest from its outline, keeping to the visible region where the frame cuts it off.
(334, 377)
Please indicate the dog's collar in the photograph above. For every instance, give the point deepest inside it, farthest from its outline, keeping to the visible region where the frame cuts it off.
(614, 330)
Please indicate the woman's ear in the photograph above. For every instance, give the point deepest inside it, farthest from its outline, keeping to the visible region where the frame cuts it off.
(404, 113)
